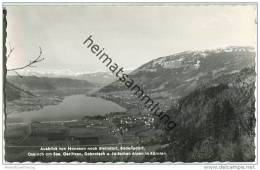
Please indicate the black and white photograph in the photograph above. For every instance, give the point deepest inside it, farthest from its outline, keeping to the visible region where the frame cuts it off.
(129, 83)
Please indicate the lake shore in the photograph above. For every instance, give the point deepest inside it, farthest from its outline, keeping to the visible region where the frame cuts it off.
(51, 108)
(31, 103)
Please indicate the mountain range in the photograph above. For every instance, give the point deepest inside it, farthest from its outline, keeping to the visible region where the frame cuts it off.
(210, 94)
(32, 83)
(99, 78)
(174, 76)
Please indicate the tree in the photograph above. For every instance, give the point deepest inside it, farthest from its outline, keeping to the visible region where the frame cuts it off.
(6, 56)
(30, 64)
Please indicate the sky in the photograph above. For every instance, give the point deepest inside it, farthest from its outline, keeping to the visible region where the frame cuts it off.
(131, 34)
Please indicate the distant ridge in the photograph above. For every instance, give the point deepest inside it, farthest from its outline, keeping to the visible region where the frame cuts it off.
(177, 75)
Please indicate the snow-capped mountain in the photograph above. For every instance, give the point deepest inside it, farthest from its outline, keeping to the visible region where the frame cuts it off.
(191, 59)
(98, 77)
(52, 72)
(177, 75)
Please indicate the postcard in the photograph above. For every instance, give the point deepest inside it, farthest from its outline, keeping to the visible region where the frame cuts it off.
(129, 82)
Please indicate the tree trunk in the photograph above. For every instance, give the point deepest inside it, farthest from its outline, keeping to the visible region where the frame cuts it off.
(4, 62)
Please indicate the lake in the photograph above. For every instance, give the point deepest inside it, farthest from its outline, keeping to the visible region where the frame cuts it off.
(71, 108)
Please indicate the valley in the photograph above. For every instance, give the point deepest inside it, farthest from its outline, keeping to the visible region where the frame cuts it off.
(209, 93)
